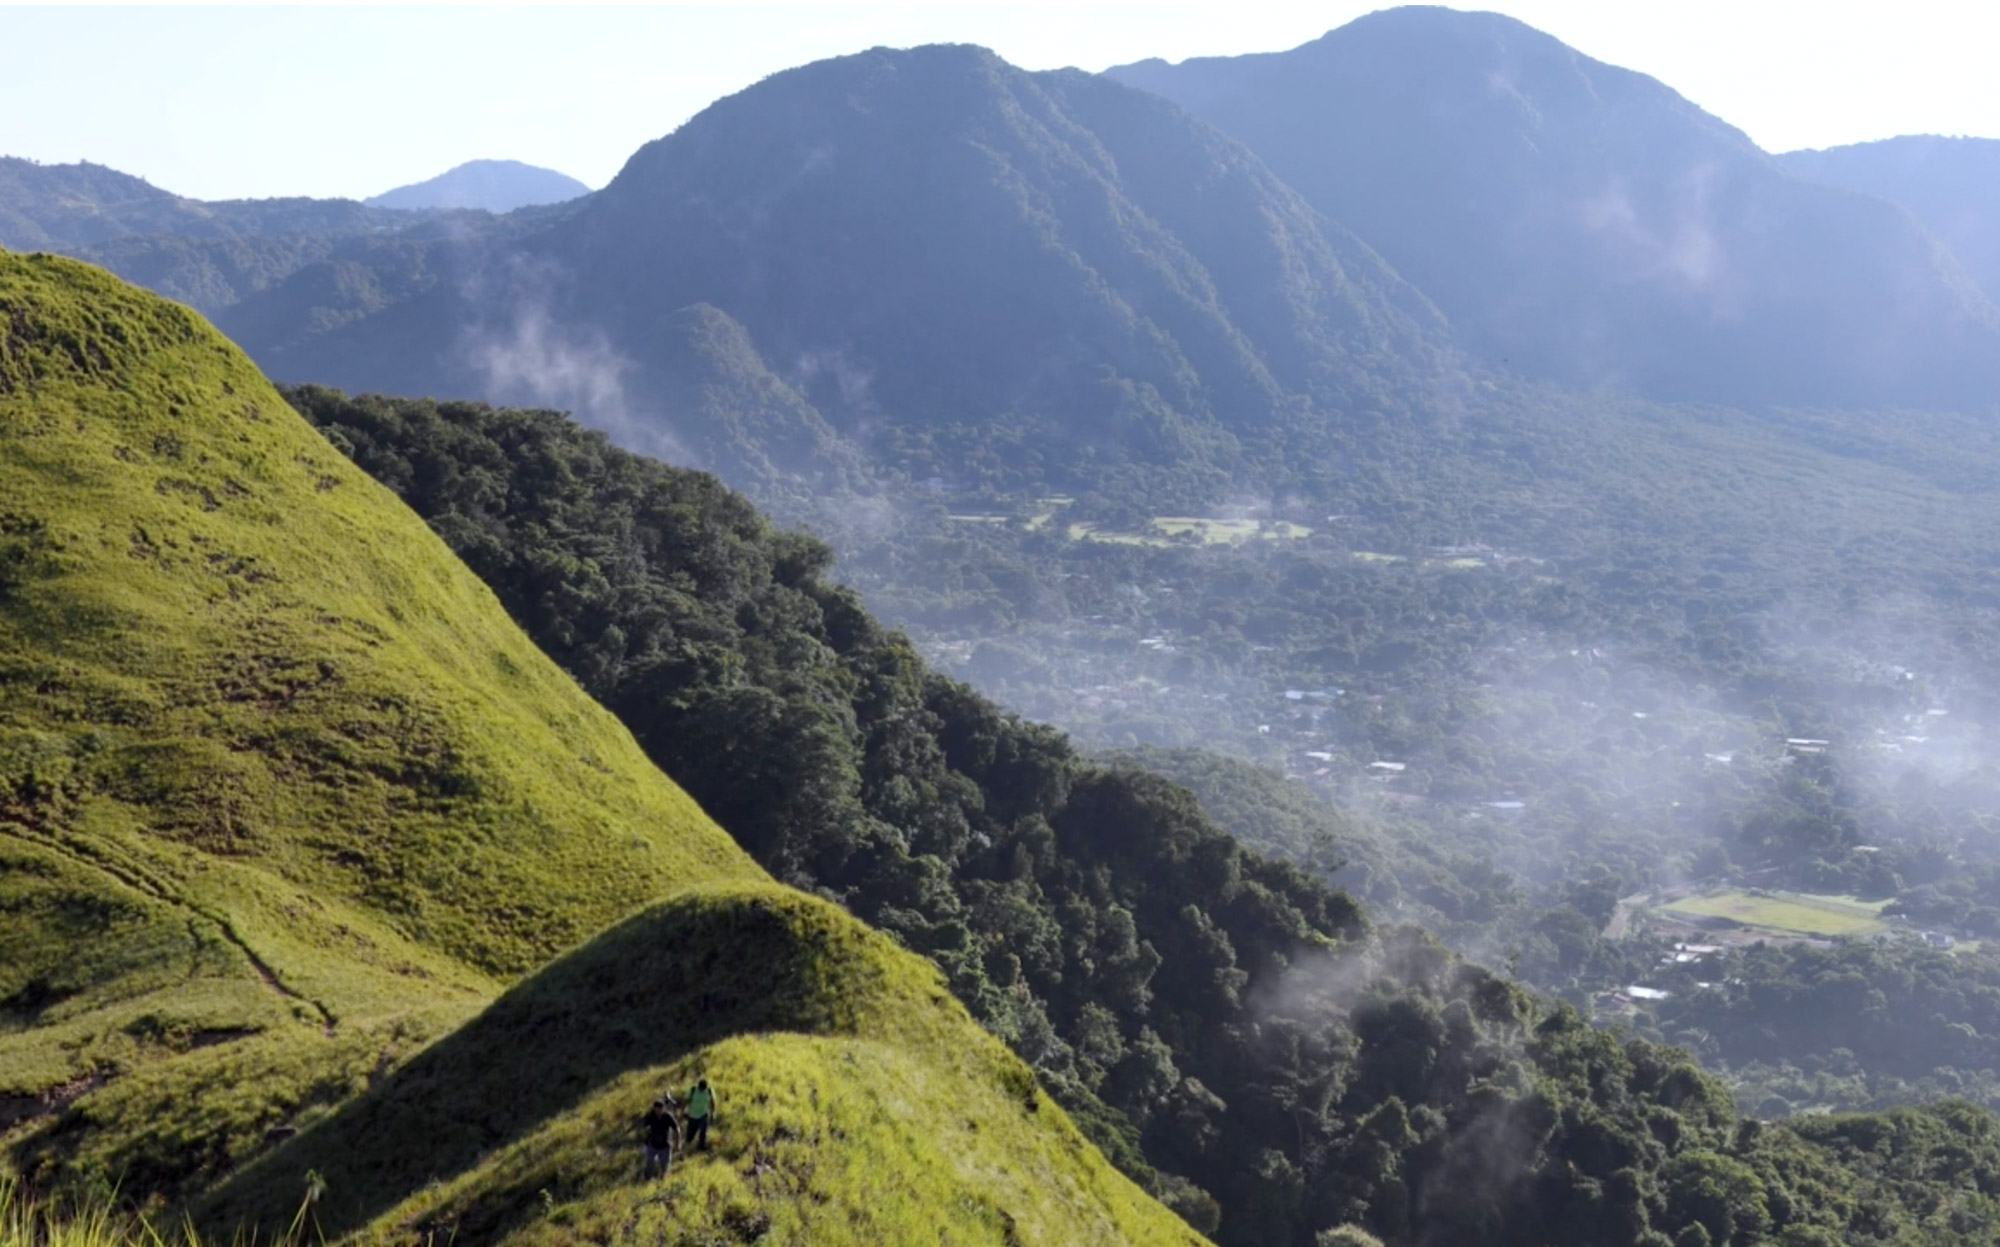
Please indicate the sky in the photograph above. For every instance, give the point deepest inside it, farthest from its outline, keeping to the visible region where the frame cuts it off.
(237, 102)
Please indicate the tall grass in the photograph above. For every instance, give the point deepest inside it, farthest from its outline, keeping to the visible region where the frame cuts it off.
(28, 1222)
(96, 1221)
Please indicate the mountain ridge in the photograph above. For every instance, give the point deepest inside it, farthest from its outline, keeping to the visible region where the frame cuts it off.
(1073, 905)
(1950, 184)
(82, 205)
(1587, 223)
(904, 208)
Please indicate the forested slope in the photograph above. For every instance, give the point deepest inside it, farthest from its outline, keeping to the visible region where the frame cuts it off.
(82, 205)
(213, 255)
(1159, 977)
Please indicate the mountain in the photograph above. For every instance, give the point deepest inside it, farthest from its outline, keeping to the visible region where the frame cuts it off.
(931, 248)
(1951, 184)
(61, 207)
(857, 1104)
(311, 859)
(489, 185)
(53, 205)
(212, 255)
(1585, 223)
(205, 254)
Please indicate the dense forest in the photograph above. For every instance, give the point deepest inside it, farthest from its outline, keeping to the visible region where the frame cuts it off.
(1235, 1032)
(1945, 181)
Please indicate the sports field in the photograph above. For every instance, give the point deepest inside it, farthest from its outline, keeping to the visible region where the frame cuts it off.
(1800, 912)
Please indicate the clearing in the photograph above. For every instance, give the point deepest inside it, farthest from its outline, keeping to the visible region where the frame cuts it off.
(1802, 913)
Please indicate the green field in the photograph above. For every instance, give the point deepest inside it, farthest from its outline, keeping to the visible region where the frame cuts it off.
(1799, 912)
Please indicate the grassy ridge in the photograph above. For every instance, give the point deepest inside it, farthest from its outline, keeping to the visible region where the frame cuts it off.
(861, 1104)
(276, 798)
(286, 801)
(837, 1141)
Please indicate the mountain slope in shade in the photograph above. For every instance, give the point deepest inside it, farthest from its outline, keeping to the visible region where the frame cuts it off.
(48, 206)
(902, 208)
(1586, 223)
(929, 239)
(492, 185)
(1952, 184)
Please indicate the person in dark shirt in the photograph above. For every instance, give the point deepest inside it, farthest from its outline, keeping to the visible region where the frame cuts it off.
(663, 1134)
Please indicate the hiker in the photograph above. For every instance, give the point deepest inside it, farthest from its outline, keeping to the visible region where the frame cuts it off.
(662, 1134)
(700, 1108)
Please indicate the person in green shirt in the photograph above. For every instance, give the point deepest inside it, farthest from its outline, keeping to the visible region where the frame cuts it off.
(700, 1108)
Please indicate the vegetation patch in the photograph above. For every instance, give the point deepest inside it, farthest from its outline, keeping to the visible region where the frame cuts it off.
(1798, 912)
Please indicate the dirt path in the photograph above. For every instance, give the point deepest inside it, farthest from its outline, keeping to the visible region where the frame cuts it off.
(1621, 915)
(81, 852)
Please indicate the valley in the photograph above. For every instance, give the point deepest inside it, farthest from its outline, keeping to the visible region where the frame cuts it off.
(1284, 649)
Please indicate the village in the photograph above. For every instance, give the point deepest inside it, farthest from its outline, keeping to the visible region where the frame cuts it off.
(1697, 927)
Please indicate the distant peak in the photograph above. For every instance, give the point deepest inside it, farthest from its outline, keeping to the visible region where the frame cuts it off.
(491, 185)
(1433, 21)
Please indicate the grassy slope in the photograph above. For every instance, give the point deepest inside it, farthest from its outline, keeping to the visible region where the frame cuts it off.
(285, 799)
(860, 1104)
(264, 784)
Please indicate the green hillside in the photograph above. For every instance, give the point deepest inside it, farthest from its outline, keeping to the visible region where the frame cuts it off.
(860, 1103)
(285, 799)
(278, 782)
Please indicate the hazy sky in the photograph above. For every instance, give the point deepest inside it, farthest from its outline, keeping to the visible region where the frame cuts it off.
(227, 102)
